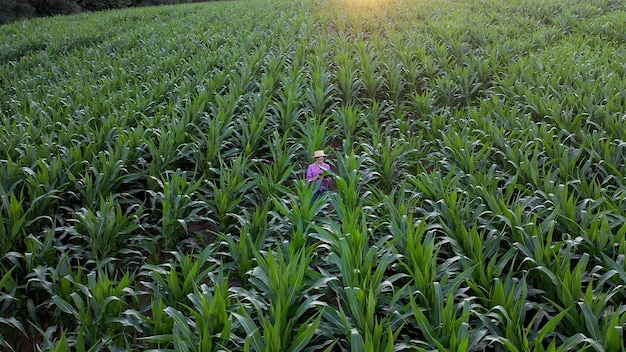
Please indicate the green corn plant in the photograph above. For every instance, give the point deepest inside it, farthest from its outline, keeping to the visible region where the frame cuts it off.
(347, 78)
(65, 343)
(538, 250)
(252, 238)
(300, 211)
(590, 311)
(459, 218)
(287, 109)
(62, 344)
(107, 174)
(10, 326)
(245, 72)
(274, 62)
(466, 154)
(469, 84)
(412, 72)
(254, 230)
(107, 229)
(42, 249)
(393, 83)
(13, 229)
(226, 196)
(611, 156)
(388, 162)
(354, 257)
(383, 334)
(448, 92)
(10, 179)
(203, 95)
(434, 186)
(211, 312)
(318, 93)
(214, 133)
(509, 303)
(603, 320)
(178, 205)
(444, 323)
(251, 127)
(168, 147)
(419, 248)
(568, 160)
(57, 280)
(616, 266)
(352, 177)
(479, 249)
(364, 291)
(601, 229)
(288, 324)
(349, 120)
(410, 130)
(99, 310)
(506, 204)
(208, 325)
(158, 325)
(315, 134)
(368, 301)
(45, 181)
(575, 214)
(17, 135)
(530, 166)
(276, 171)
(174, 280)
(424, 105)
(375, 118)
(372, 80)
(613, 330)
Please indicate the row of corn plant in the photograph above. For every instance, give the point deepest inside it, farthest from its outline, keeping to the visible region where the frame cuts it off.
(152, 188)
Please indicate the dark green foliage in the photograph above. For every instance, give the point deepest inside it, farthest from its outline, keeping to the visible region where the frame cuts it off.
(97, 5)
(13, 10)
(161, 2)
(54, 7)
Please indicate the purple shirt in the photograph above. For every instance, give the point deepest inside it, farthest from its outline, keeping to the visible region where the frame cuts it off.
(314, 171)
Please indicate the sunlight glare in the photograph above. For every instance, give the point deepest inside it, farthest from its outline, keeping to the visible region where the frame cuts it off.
(362, 5)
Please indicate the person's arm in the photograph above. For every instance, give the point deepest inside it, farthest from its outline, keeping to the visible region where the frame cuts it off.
(310, 174)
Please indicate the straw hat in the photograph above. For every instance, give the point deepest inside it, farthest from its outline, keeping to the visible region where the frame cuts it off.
(318, 153)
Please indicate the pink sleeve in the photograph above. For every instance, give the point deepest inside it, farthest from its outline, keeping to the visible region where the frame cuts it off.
(309, 173)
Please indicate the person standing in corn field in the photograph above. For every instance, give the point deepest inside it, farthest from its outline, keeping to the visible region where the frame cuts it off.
(316, 172)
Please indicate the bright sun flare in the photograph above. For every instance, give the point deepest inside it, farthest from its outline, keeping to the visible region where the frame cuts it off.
(363, 4)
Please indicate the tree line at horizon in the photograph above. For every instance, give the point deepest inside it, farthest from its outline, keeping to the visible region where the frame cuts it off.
(13, 10)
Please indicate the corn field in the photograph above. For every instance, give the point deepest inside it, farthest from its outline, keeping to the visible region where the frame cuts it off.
(152, 188)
